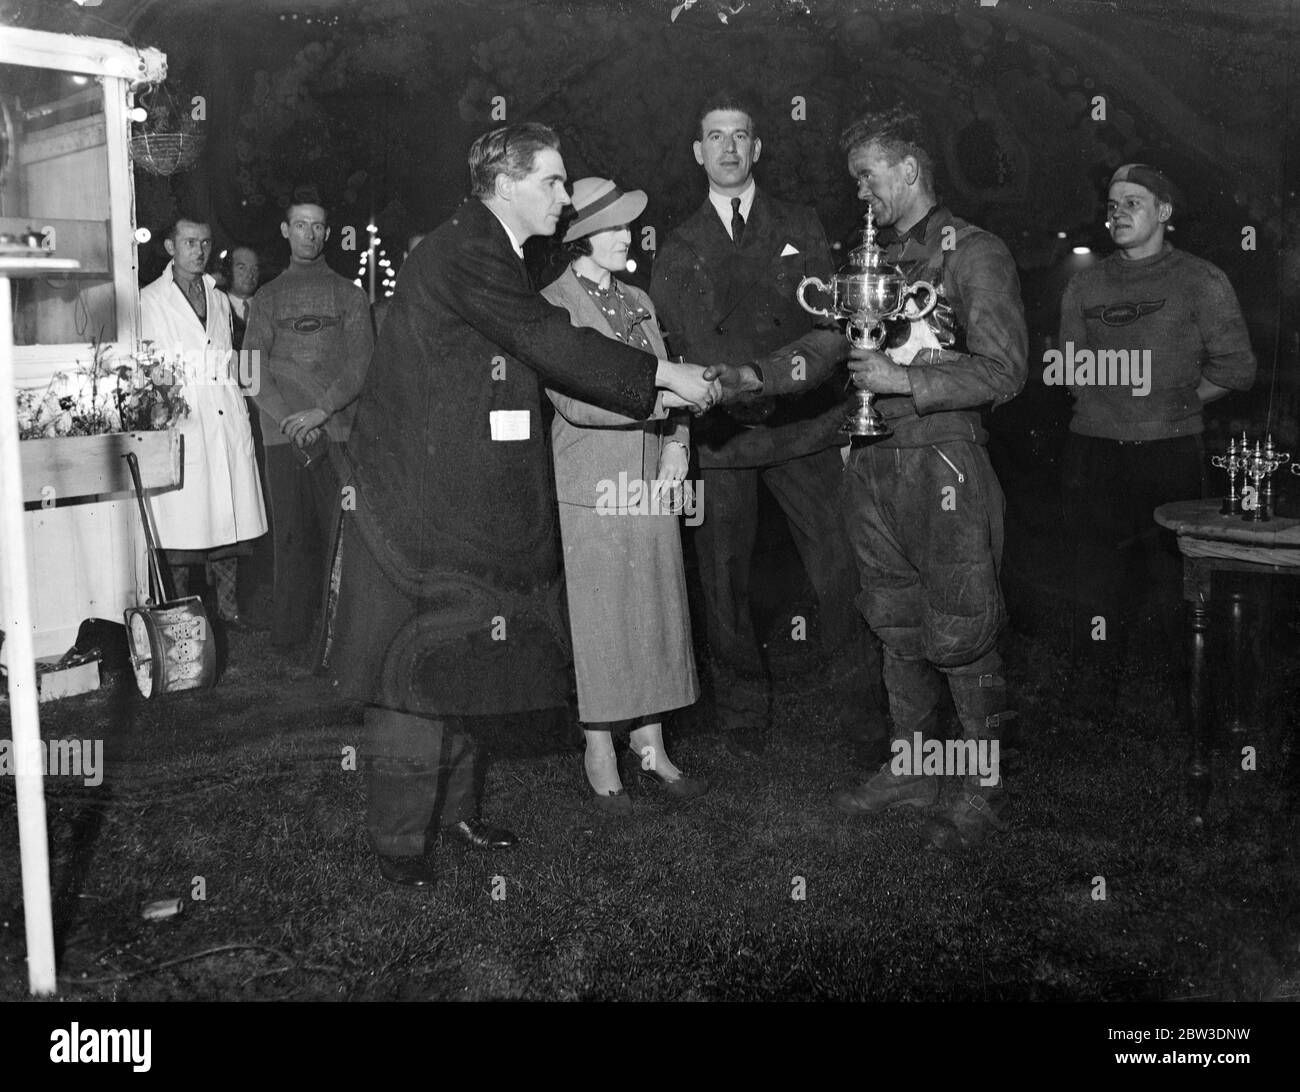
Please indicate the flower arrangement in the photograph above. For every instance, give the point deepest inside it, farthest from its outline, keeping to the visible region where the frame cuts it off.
(137, 392)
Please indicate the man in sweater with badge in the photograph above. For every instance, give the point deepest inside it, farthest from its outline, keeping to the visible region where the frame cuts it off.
(312, 333)
(1148, 336)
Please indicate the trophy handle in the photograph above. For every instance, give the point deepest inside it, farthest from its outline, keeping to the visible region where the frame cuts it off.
(930, 290)
(821, 286)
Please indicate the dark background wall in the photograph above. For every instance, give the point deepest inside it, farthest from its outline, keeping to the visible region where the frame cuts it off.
(376, 102)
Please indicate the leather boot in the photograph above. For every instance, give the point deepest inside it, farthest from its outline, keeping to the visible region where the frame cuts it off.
(915, 689)
(981, 702)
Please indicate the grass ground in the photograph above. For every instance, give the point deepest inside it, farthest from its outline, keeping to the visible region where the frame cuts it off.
(245, 788)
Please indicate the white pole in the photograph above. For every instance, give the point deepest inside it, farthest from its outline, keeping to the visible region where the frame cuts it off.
(370, 266)
(26, 724)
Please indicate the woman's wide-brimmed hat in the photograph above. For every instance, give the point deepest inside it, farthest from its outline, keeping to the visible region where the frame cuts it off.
(600, 205)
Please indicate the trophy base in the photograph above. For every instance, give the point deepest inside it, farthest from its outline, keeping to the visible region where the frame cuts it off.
(871, 430)
(864, 419)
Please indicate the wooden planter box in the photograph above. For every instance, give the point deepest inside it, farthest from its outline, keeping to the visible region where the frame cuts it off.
(85, 466)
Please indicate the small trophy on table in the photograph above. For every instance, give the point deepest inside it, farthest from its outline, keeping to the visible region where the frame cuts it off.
(1234, 462)
(1257, 466)
(1260, 467)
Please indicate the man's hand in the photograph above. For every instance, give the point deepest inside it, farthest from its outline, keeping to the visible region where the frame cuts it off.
(308, 438)
(874, 371)
(685, 386)
(1208, 391)
(736, 380)
(297, 425)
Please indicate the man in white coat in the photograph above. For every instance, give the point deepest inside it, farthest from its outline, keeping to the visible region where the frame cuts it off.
(218, 510)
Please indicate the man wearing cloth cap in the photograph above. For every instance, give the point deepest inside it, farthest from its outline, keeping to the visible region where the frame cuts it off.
(1135, 438)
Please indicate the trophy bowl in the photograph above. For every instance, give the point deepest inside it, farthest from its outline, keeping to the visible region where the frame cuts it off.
(865, 294)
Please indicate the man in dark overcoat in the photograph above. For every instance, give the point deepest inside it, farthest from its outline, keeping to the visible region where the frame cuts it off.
(450, 595)
(724, 285)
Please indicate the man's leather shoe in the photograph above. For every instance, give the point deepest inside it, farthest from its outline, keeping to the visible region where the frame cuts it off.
(746, 742)
(408, 871)
(477, 834)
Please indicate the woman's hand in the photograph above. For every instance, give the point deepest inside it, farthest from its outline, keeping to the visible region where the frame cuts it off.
(674, 462)
(297, 425)
(672, 489)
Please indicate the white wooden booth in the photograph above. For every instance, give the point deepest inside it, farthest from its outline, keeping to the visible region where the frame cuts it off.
(65, 167)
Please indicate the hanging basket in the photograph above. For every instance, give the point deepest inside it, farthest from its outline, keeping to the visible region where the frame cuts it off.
(166, 153)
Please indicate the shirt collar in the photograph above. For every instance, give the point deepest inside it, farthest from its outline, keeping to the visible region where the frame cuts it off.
(518, 246)
(887, 236)
(202, 278)
(722, 203)
(592, 286)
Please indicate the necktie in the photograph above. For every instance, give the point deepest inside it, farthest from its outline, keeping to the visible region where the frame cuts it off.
(198, 299)
(737, 222)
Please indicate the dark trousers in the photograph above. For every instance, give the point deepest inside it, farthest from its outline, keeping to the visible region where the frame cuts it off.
(806, 488)
(304, 511)
(1125, 564)
(926, 527)
(420, 771)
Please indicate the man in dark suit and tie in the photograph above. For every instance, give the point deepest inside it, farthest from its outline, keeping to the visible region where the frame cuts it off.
(450, 593)
(724, 285)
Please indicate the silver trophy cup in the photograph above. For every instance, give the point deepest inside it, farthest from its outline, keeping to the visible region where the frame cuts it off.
(865, 294)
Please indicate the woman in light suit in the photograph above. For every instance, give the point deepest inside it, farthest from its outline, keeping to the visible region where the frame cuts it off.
(617, 481)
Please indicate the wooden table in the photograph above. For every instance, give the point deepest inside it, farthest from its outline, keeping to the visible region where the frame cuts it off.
(1211, 542)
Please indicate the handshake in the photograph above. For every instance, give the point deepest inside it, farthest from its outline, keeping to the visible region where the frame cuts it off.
(699, 389)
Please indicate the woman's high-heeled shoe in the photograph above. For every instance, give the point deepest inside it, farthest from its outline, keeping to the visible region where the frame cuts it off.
(681, 788)
(616, 803)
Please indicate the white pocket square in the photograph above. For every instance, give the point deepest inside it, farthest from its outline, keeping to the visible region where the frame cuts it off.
(788, 251)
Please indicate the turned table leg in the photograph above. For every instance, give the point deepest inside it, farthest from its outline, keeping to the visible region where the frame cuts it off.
(1236, 664)
(1196, 588)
